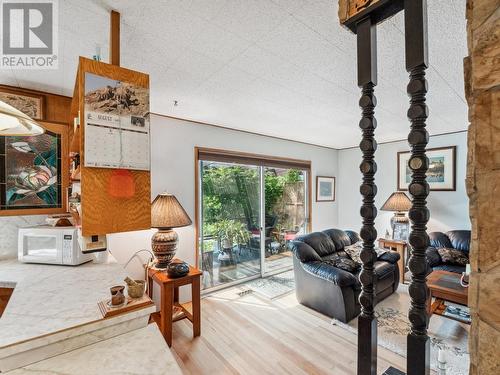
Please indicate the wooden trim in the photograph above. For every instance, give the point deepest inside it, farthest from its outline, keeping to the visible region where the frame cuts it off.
(213, 154)
(269, 160)
(454, 157)
(196, 205)
(114, 38)
(334, 188)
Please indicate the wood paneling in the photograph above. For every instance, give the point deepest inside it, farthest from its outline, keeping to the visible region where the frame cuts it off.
(102, 213)
(56, 107)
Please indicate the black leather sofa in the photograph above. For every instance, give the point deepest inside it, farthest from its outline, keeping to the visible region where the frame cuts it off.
(454, 239)
(331, 290)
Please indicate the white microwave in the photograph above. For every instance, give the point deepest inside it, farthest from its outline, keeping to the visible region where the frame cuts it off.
(51, 245)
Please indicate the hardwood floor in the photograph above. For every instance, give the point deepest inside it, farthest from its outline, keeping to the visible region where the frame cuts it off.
(250, 334)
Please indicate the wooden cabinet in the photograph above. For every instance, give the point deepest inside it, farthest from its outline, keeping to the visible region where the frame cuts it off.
(102, 213)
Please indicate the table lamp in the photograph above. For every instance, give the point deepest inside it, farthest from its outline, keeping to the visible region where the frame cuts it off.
(399, 203)
(14, 122)
(166, 213)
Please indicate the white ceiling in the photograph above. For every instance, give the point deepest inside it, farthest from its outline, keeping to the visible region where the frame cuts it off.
(284, 68)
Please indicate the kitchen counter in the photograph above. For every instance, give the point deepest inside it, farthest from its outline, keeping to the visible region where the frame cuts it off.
(53, 310)
(140, 352)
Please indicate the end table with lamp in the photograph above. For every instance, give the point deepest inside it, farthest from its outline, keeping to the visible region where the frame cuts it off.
(401, 248)
(170, 308)
(400, 225)
(170, 274)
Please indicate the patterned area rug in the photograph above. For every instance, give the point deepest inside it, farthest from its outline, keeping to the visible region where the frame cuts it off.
(272, 286)
(393, 326)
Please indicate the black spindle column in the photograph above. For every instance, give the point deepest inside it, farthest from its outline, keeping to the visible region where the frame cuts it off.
(367, 80)
(418, 351)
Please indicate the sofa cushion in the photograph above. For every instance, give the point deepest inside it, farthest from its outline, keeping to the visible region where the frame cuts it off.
(453, 256)
(439, 239)
(320, 242)
(338, 237)
(344, 263)
(432, 257)
(460, 239)
(330, 273)
(388, 256)
(303, 251)
(353, 236)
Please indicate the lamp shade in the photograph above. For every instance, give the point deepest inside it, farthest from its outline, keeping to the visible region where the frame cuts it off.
(167, 212)
(13, 122)
(398, 201)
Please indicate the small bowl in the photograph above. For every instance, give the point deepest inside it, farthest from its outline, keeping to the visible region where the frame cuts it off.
(136, 291)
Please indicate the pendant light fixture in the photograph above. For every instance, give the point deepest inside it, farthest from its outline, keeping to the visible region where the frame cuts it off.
(13, 122)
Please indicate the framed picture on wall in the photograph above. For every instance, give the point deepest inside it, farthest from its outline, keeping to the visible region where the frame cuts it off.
(28, 103)
(32, 178)
(325, 189)
(442, 172)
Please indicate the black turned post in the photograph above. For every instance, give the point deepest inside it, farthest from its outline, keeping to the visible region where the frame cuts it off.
(367, 80)
(418, 351)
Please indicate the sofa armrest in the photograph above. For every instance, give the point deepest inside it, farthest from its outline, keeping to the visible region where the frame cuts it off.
(330, 273)
(390, 257)
(303, 251)
(432, 256)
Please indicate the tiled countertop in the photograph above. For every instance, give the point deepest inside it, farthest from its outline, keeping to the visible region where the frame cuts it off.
(53, 309)
(139, 352)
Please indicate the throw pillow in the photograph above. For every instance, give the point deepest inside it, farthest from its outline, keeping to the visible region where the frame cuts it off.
(354, 251)
(343, 263)
(453, 256)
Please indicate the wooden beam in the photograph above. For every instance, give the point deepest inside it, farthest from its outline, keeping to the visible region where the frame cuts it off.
(367, 79)
(114, 38)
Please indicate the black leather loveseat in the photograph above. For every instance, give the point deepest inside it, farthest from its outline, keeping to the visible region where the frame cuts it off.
(331, 290)
(455, 240)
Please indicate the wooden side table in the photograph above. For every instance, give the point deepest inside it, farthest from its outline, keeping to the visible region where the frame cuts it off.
(171, 310)
(400, 247)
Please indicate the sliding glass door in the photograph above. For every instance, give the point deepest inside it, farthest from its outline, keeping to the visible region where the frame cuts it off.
(230, 222)
(247, 214)
(285, 216)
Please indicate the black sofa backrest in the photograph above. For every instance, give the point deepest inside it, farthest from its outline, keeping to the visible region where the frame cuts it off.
(322, 243)
(456, 239)
(339, 238)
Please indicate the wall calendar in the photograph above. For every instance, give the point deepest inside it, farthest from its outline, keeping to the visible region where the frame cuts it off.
(117, 126)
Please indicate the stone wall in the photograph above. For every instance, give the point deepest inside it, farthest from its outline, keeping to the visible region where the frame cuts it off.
(482, 81)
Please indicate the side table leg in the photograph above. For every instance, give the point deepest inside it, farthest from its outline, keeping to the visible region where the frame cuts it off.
(167, 302)
(401, 263)
(195, 291)
(150, 287)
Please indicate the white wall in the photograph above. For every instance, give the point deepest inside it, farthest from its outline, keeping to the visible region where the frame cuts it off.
(8, 232)
(173, 143)
(449, 210)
